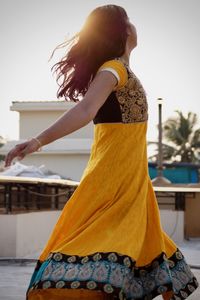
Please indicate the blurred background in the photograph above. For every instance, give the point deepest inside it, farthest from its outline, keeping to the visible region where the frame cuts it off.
(166, 59)
(34, 191)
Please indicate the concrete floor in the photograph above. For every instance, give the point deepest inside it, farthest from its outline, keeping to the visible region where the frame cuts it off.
(15, 276)
(14, 279)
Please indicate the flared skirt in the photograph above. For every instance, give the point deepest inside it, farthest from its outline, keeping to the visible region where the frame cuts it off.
(109, 238)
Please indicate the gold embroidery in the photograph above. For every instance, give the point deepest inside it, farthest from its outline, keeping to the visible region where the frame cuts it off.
(132, 100)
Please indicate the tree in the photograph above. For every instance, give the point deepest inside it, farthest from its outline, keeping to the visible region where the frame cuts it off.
(182, 137)
(2, 142)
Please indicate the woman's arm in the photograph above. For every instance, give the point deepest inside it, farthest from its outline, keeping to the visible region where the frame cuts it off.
(77, 117)
(83, 112)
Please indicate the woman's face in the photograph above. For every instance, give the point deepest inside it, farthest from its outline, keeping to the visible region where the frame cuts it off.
(132, 35)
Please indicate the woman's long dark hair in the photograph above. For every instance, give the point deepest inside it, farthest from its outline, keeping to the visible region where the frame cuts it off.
(103, 37)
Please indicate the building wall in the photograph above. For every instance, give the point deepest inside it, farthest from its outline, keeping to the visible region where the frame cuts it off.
(192, 220)
(67, 156)
(33, 122)
(68, 165)
(37, 116)
(25, 234)
(177, 174)
(8, 237)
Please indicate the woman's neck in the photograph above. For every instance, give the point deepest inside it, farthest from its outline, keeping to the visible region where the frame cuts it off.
(125, 58)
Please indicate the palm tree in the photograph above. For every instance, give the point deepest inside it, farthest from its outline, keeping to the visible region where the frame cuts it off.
(168, 151)
(183, 139)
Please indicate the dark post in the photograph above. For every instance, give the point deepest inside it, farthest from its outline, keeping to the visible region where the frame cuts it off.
(160, 180)
(160, 150)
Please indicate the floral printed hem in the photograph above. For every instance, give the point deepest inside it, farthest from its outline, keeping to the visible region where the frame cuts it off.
(116, 274)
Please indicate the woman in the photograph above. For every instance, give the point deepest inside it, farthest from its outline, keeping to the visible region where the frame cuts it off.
(108, 242)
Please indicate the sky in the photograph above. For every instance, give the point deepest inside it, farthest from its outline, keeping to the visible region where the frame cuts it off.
(166, 60)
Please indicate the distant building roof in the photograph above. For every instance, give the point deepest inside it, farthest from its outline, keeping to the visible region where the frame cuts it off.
(177, 164)
(54, 105)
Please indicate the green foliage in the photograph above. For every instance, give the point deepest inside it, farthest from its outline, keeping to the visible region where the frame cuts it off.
(181, 132)
(2, 142)
(182, 139)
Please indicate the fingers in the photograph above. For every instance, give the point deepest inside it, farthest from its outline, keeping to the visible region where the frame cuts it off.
(21, 150)
(8, 160)
(17, 151)
(10, 156)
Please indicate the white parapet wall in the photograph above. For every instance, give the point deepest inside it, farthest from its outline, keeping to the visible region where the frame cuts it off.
(173, 223)
(26, 234)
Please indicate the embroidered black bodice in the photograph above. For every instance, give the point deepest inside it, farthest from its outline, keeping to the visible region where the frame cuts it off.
(127, 104)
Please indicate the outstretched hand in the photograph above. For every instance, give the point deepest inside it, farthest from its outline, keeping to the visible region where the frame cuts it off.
(21, 150)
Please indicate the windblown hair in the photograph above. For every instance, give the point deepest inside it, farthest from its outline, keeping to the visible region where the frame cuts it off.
(103, 37)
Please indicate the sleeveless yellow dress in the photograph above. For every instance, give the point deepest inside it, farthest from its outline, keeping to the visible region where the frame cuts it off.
(108, 242)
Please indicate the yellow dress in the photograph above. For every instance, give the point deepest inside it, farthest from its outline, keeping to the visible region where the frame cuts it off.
(109, 239)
